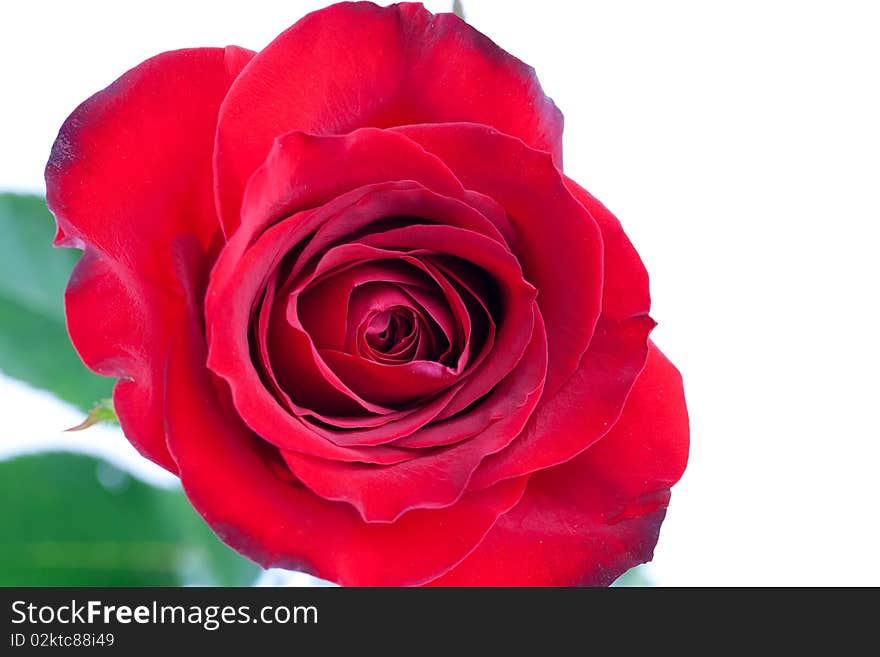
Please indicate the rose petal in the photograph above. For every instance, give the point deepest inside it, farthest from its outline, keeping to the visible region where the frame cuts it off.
(588, 521)
(373, 157)
(411, 160)
(558, 242)
(438, 478)
(583, 410)
(300, 365)
(325, 308)
(236, 279)
(302, 171)
(625, 291)
(516, 295)
(359, 433)
(412, 203)
(231, 477)
(391, 385)
(355, 65)
(128, 175)
(590, 401)
(259, 405)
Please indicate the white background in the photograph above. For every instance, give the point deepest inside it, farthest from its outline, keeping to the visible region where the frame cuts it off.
(739, 144)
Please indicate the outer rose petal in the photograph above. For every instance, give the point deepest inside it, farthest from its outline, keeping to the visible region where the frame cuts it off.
(625, 290)
(231, 477)
(589, 520)
(130, 174)
(354, 65)
(589, 402)
(582, 411)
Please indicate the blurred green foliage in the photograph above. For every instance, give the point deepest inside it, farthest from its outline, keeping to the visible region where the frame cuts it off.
(72, 520)
(34, 345)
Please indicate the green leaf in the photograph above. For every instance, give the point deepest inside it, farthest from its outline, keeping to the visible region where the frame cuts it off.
(34, 345)
(72, 520)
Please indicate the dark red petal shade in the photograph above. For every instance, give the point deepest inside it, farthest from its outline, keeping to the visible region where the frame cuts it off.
(296, 356)
(409, 420)
(348, 272)
(333, 311)
(266, 370)
(514, 329)
(422, 329)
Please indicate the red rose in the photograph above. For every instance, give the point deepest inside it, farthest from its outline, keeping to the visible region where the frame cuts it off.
(353, 302)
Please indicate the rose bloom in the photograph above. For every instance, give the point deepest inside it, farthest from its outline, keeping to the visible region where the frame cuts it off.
(353, 301)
